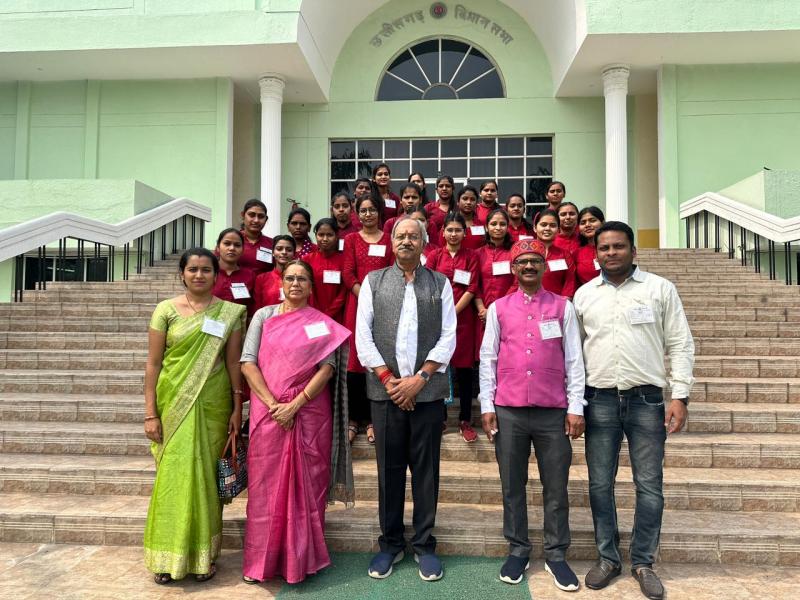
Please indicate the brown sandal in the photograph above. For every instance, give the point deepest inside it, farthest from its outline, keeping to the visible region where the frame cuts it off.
(352, 432)
(163, 578)
(370, 434)
(206, 576)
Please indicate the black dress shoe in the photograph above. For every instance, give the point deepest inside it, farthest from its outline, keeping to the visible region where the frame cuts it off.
(600, 575)
(649, 582)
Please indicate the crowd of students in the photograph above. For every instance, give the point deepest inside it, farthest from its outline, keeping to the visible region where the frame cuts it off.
(470, 235)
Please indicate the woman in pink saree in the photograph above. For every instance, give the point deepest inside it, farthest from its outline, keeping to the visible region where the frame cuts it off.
(289, 359)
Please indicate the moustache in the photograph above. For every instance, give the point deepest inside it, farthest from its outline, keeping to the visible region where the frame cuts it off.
(529, 271)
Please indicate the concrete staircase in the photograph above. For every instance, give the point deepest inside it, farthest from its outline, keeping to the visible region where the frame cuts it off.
(75, 468)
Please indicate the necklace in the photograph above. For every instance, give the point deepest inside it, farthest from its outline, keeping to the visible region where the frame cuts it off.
(189, 302)
(284, 308)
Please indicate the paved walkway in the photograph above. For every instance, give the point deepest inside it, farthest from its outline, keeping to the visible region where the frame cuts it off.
(65, 572)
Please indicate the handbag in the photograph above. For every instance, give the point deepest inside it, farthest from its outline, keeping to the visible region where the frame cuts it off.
(232, 468)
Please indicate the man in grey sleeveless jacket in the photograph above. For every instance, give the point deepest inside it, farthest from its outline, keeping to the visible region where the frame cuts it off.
(405, 336)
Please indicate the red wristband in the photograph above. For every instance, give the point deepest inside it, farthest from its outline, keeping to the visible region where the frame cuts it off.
(385, 376)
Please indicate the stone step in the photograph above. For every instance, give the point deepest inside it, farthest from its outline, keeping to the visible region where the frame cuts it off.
(462, 482)
(100, 296)
(706, 417)
(75, 340)
(746, 389)
(102, 360)
(48, 310)
(748, 329)
(774, 314)
(743, 300)
(746, 366)
(742, 346)
(726, 450)
(77, 324)
(686, 536)
(71, 381)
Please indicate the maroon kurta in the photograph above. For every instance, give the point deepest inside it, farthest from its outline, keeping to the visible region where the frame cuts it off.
(569, 243)
(268, 290)
(475, 235)
(328, 297)
(523, 229)
(561, 282)
(222, 287)
(249, 259)
(483, 211)
(357, 264)
(586, 267)
(464, 260)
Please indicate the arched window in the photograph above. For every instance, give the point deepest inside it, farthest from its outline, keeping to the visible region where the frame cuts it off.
(441, 69)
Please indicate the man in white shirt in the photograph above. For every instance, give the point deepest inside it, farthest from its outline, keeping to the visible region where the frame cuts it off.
(629, 318)
(532, 384)
(405, 337)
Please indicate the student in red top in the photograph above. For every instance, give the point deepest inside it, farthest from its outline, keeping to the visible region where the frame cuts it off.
(488, 203)
(233, 283)
(410, 200)
(299, 224)
(363, 187)
(567, 238)
(269, 286)
(556, 192)
(419, 179)
(476, 232)
(443, 204)
(518, 227)
(382, 177)
(494, 262)
(559, 276)
(342, 212)
(586, 266)
(364, 251)
(328, 293)
(460, 266)
(257, 249)
(430, 247)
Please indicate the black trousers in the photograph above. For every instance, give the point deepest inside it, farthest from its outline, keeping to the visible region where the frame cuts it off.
(357, 403)
(464, 378)
(518, 427)
(407, 439)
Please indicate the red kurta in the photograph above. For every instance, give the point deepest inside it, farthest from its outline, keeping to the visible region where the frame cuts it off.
(472, 240)
(248, 259)
(389, 212)
(222, 287)
(494, 286)
(435, 215)
(561, 282)
(483, 211)
(357, 264)
(523, 229)
(354, 219)
(570, 243)
(464, 260)
(268, 290)
(586, 267)
(328, 297)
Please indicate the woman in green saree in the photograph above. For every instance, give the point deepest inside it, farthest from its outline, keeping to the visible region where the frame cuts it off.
(193, 399)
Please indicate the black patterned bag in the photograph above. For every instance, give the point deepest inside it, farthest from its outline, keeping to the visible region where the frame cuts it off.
(232, 468)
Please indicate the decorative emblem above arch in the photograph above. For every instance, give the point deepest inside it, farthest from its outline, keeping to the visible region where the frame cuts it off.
(441, 69)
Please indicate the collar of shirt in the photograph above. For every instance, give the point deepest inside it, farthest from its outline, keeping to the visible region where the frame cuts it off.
(636, 275)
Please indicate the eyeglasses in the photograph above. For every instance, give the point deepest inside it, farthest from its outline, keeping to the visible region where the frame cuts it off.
(368, 211)
(414, 237)
(521, 262)
(298, 278)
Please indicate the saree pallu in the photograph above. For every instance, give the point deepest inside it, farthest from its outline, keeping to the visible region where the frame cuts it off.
(183, 532)
(290, 471)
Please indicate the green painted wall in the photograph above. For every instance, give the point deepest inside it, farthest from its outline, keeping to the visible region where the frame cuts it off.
(686, 16)
(170, 135)
(530, 108)
(725, 123)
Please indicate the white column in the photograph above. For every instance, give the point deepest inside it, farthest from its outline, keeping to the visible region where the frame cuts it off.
(615, 90)
(271, 87)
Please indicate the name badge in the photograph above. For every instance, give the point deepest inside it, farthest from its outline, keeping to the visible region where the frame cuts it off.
(264, 255)
(281, 295)
(377, 250)
(212, 327)
(316, 330)
(477, 230)
(550, 330)
(423, 259)
(596, 265)
(390, 203)
(502, 267)
(334, 277)
(525, 237)
(240, 291)
(462, 277)
(557, 265)
(341, 245)
(640, 315)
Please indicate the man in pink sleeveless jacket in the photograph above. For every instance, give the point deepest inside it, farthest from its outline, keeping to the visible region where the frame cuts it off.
(532, 384)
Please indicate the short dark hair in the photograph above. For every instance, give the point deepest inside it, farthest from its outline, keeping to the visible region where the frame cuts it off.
(596, 213)
(615, 226)
(547, 212)
(299, 211)
(300, 263)
(508, 241)
(198, 252)
(225, 232)
(254, 202)
(284, 238)
(329, 221)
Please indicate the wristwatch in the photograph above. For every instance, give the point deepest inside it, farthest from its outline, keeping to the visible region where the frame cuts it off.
(424, 375)
(684, 400)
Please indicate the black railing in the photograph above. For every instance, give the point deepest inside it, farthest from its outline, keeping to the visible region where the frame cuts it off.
(71, 262)
(791, 268)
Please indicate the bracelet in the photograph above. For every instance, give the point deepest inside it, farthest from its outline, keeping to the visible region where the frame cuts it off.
(385, 376)
(237, 392)
(306, 396)
(151, 418)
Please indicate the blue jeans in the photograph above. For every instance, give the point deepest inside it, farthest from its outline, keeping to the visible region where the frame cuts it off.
(640, 417)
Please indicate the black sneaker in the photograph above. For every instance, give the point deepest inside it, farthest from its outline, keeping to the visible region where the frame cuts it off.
(513, 569)
(649, 582)
(563, 576)
(600, 575)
